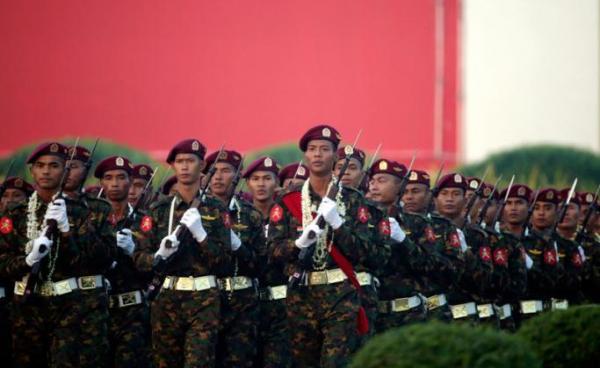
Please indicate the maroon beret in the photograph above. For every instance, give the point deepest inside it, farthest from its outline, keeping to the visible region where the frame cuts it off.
(320, 132)
(93, 189)
(518, 191)
(230, 157)
(81, 153)
(384, 166)
(49, 148)
(358, 154)
(453, 180)
(187, 146)
(486, 190)
(15, 182)
(586, 198)
(142, 171)
(296, 170)
(549, 195)
(419, 177)
(473, 182)
(113, 163)
(166, 188)
(564, 194)
(262, 164)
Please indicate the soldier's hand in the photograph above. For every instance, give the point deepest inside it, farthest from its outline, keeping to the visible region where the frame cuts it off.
(164, 252)
(37, 254)
(328, 209)
(396, 231)
(57, 210)
(236, 242)
(303, 241)
(125, 241)
(192, 220)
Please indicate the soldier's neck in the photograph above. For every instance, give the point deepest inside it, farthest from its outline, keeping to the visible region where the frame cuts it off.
(46, 194)
(223, 199)
(120, 208)
(319, 184)
(188, 192)
(515, 229)
(567, 233)
(263, 206)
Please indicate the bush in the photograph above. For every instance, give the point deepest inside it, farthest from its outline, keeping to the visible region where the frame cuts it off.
(435, 344)
(569, 338)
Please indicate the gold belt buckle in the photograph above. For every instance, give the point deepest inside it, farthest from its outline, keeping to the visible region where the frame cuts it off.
(400, 305)
(529, 307)
(127, 299)
(62, 287)
(485, 311)
(203, 283)
(433, 302)
(185, 284)
(46, 288)
(560, 304)
(19, 288)
(335, 276)
(87, 282)
(459, 311)
(318, 278)
(278, 292)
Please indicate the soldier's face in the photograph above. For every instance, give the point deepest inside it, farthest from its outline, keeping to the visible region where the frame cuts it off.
(543, 215)
(491, 212)
(583, 212)
(76, 172)
(353, 173)
(571, 217)
(262, 185)
(135, 190)
(515, 211)
(188, 168)
(384, 188)
(116, 185)
(415, 198)
(11, 196)
(450, 202)
(320, 157)
(47, 171)
(220, 183)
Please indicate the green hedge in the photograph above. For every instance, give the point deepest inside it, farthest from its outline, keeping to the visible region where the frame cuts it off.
(436, 344)
(569, 338)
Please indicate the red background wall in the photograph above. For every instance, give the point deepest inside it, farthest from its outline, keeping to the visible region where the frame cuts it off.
(247, 73)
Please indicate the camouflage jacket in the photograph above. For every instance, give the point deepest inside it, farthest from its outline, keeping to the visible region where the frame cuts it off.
(479, 268)
(510, 271)
(591, 273)
(193, 258)
(543, 276)
(569, 284)
(247, 223)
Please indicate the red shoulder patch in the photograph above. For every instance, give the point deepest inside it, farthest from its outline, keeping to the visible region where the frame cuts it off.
(276, 213)
(227, 220)
(6, 225)
(550, 257)
(363, 214)
(384, 227)
(576, 259)
(146, 224)
(429, 234)
(501, 257)
(454, 240)
(485, 253)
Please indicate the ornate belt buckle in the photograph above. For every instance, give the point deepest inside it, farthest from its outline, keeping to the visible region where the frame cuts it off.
(87, 283)
(433, 302)
(318, 278)
(363, 278)
(459, 311)
(185, 284)
(203, 283)
(528, 307)
(62, 287)
(400, 305)
(485, 311)
(19, 288)
(127, 299)
(278, 292)
(334, 276)
(560, 304)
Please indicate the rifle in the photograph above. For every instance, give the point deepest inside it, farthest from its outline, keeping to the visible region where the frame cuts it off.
(434, 191)
(51, 231)
(158, 189)
(472, 200)
(500, 210)
(529, 213)
(404, 180)
(563, 210)
(588, 216)
(8, 171)
(235, 182)
(487, 204)
(130, 216)
(87, 166)
(366, 169)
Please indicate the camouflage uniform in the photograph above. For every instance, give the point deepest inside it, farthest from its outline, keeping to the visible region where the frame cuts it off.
(322, 310)
(239, 307)
(571, 258)
(5, 339)
(129, 327)
(52, 329)
(185, 316)
(591, 276)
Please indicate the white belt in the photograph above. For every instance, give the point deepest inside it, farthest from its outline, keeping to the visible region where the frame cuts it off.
(364, 278)
(235, 283)
(2, 293)
(436, 301)
(62, 287)
(126, 299)
(559, 304)
(485, 310)
(531, 306)
(274, 292)
(463, 310)
(190, 283)
(503, 311)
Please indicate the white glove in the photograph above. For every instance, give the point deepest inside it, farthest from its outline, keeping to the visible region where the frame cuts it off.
(396, 231)
(57, 210)
(463, 240)
(328, 209)
(125, 241)
(528, 261)
(192, 220)
(303, 241)
(36, 255)
(236, 242)
(164, 252)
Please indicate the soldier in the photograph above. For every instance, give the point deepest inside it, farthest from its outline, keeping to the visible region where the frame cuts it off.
(185, 316)
(274, 345)
(401, 303)
(293, 175)
(129, 334)
(237, 280)
(323, 302)
(46, 325)
(16, 190)
(169, 188)
(354, 173)
(140, 176)
(590, 241)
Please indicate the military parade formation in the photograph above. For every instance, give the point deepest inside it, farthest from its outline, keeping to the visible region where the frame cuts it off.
(300, 270)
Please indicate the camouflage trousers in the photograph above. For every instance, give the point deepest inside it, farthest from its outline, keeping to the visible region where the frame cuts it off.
(322, 321)
(388, 320)
(129, 336)
(94, 350)
(274, 347)
(5, 338)
(370, 300)
(238, 331)
(53, 331)
(185, 328)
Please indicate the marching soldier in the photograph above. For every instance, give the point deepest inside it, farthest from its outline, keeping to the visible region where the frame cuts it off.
(353, 175)
(140, 176)
(590, 241)
(16, 190)
(129, 332)
(293, 175)
(46, 322)
(323, 302)
(274, 345)
(237, 280)
(185, 316)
